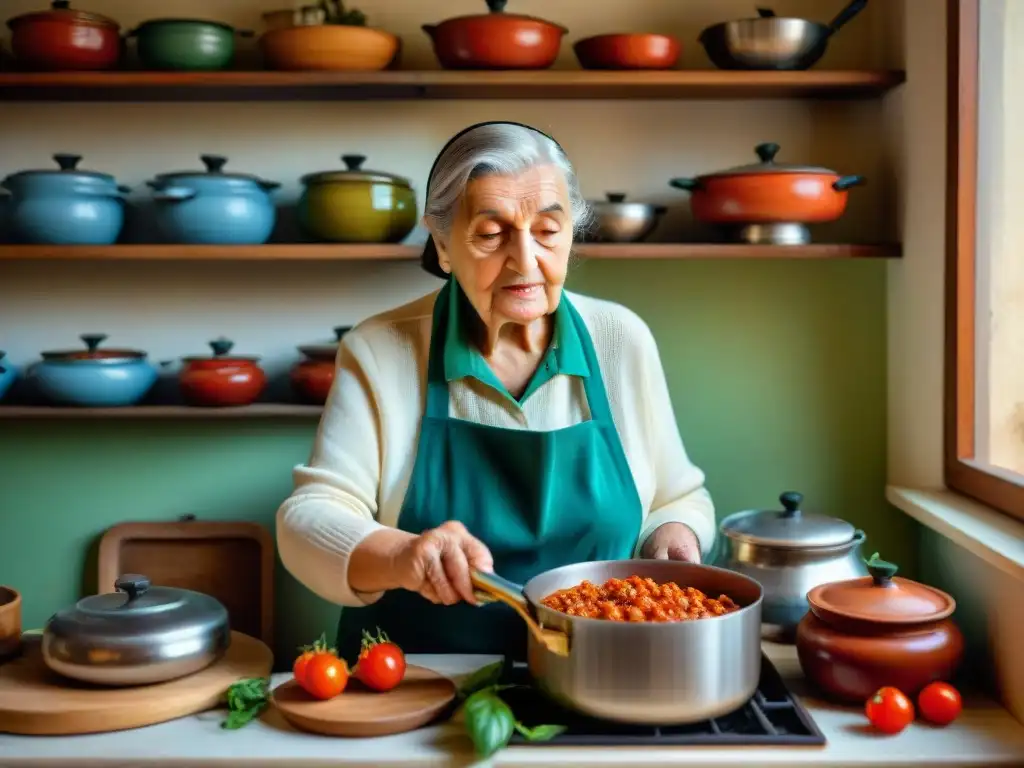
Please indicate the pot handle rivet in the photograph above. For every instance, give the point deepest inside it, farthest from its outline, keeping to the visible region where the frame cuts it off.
(133, 584)
(791, 501)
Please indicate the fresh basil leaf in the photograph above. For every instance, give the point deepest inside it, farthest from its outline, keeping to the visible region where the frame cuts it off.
(539, 732)
(489, 722)
(485, 677)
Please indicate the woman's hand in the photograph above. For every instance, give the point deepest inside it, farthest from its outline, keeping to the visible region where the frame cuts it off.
(436, 564)
(672, 541)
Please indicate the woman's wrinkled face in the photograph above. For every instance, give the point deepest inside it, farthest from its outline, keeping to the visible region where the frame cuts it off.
(509, 245)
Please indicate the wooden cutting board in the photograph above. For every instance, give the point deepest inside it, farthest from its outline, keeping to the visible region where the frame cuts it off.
(233, 562)
(361, 713)
(37, 702)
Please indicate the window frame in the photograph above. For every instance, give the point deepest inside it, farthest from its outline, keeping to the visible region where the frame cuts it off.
(961, 472)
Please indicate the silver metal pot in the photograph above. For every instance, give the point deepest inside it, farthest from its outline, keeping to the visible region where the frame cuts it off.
(789, 552)
(650, 673)
(772, 42)
(618, 221)
(136, 636)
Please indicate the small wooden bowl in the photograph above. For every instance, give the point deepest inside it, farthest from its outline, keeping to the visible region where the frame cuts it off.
(628, 51)
(10, 622)
(328, 47)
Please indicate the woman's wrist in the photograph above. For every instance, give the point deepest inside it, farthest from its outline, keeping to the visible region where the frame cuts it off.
(372, 564)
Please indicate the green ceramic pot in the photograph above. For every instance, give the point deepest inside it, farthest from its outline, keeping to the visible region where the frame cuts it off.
(356, 206)
(186, 44)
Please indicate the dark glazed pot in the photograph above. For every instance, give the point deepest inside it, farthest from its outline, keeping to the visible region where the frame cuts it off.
(186, 44)
(220, 380)
(863, 634)
(313, 377)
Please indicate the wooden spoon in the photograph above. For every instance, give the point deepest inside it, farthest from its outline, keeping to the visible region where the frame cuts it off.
(490, 587)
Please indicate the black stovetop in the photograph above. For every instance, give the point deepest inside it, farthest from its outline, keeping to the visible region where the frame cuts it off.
(773, 716)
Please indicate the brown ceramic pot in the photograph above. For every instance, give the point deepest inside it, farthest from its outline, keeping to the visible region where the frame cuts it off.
(10, 622)
(313, 377)
(220, 380)
(496, 40)
(627, 51)
(863, 634)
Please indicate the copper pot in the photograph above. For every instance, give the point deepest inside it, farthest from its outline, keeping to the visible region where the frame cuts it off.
(64, 39)
(863, 634)
(496, 40)
(627, 51)
(768, 201)
(313, 377)
(220, 380)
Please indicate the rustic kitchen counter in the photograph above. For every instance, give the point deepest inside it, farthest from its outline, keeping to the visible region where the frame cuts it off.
(985, 735)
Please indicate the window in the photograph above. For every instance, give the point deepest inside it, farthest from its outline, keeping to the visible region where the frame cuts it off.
(984, 430)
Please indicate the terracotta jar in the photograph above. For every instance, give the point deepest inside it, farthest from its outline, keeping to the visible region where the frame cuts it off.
(312, 378)
(862, 634)
(220, 380)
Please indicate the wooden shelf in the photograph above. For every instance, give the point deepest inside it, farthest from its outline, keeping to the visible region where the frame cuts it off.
(321, 252)
(258, 411)
(444, 84)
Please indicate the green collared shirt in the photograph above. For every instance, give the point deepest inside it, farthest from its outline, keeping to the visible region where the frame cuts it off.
(462, 359)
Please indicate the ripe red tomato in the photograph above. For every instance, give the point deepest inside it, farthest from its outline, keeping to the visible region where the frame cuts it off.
(324, 676)
(939, 703)
(381, 664)
(307, 652)
(889, 710)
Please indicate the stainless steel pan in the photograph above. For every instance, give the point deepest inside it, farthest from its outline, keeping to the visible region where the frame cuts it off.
(772, 42)
(651, 673)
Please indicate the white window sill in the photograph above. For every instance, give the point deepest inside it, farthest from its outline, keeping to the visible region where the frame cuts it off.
(994, 537)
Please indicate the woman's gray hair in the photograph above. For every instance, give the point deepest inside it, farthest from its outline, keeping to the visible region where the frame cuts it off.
(504, 149)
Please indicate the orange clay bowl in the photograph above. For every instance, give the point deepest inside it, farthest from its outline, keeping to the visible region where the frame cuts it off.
(329, 47)
(628, 51)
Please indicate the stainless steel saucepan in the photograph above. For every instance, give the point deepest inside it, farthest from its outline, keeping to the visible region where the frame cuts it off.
(772, 42)
(651, 673)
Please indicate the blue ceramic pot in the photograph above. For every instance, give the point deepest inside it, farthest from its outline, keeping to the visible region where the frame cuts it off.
(214, 208)
(93, 377)
(63, 206)
(8, 373)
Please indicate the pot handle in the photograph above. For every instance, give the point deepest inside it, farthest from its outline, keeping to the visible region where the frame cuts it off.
(845, 15)
(175, 195)
(845, 182)
(133, 584)
(494, 587)
(689, 185)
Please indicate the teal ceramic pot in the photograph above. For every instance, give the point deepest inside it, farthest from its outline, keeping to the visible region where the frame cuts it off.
(93, 377)
(186, 44)
(8, 373)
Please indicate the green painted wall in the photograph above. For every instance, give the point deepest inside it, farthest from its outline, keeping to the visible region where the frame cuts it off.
(777, 371)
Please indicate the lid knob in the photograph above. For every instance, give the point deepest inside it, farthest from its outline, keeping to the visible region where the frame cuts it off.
(93, 340)
(132, 584)
(496, 6)
(221, 347)
(791, 501)
(60, 5)
(767, 152)
(67, 162)
(353, 162)
(339, 331)
(765, 13)
(881, 571)
(214, 163)
(615, 197)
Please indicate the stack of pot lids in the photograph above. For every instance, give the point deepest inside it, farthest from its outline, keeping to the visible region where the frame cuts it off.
(788, 527)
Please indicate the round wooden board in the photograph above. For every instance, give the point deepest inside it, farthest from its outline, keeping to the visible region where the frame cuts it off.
(35, 701)
(361, 713)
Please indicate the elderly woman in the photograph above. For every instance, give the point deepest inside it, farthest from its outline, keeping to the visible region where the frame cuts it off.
(499, 423)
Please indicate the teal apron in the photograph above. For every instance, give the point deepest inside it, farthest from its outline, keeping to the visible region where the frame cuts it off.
(538, 500)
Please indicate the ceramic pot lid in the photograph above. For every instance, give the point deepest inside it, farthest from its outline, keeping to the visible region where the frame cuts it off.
(881, 598)
(789, 528)
(221, 348)
(326, 351)
(92, 352)
(354, 172)
(496, 11)
(61, 10)
(767, 152)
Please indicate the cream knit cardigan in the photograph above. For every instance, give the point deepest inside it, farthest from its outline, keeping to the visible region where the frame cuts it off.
(365, 447)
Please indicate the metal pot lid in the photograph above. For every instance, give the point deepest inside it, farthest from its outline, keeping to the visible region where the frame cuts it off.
(60, 10)
(137, 602)
(214, 170)
(767, 152)
(617, 201)
(881, 598)
(221, 347)
(326, 351)
(92, 352)
(353, 172)
(496, 10)
(67, 166)
(789, 528)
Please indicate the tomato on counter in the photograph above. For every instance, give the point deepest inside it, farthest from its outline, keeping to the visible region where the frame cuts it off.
(319, 670)
(939, 703)
(889, 710)
(381, 664)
